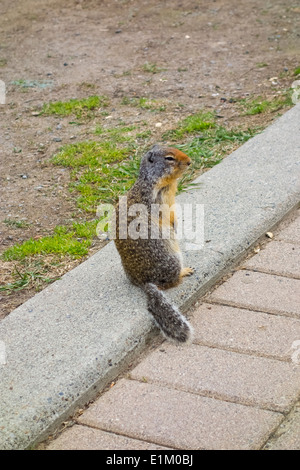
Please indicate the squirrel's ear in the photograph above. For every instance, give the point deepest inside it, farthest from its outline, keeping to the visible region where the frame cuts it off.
(150, 157)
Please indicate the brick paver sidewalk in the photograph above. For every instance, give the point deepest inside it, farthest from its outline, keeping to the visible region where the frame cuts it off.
(236, 387)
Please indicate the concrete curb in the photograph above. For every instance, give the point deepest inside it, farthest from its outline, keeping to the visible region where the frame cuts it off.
(66, 343)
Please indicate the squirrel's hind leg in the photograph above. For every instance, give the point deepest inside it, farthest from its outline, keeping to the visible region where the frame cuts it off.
(162, 284)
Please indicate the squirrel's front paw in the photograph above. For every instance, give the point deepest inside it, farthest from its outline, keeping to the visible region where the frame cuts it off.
(187, 272)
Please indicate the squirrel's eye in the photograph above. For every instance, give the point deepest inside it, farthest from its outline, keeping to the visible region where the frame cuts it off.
(171, 159)
(150, 158)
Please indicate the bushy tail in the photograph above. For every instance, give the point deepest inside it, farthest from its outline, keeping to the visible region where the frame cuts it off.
(167, 316)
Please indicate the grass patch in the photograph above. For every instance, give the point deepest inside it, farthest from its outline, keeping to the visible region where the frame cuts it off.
(144, 134)
(116, 135)
(144, 103)
(75, 107)
(210, 147)
(260, 105)
(98, 172)
(61, 244)
(89, 153)
(104, 185)
(152, 68)
(74, 241)
(102, 170)
(32, 275)
(297, 71)
(22, 83)
(16, 223)
(191, 125)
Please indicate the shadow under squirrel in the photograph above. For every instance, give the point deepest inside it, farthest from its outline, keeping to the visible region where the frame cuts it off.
(155, 263)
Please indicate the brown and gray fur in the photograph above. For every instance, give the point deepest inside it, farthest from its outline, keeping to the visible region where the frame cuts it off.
(155, 264)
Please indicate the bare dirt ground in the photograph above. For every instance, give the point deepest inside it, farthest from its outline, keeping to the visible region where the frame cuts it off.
(199, 54)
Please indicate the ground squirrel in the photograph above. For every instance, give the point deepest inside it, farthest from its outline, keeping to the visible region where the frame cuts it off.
(152, 262)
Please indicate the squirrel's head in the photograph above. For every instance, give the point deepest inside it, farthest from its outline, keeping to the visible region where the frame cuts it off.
(163, 164)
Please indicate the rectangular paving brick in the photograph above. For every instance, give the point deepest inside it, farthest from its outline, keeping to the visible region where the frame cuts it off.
(260, 291)
(178, 419)
(277, 258)
(292, 232)
(223, 374)
(245, 331)
(287, 436)
(85, 438)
